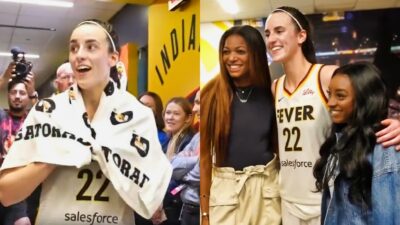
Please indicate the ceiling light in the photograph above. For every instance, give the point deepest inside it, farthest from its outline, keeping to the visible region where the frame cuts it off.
(55, 3)
(229, 6)
(28, 56)
(333, 16)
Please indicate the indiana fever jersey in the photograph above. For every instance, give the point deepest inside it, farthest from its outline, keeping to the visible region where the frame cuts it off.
(303, 124)
(81, 196)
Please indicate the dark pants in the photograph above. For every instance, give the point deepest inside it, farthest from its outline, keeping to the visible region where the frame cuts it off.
(172, 205)
(172, 213)
(26, 208)
(12, 213)
(33, 204)
(139, 220)
(190, 214)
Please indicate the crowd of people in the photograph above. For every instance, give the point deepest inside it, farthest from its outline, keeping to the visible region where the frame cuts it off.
(315, 146)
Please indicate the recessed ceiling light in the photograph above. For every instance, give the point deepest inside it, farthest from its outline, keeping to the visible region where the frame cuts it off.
(28, 56)
(55, 3)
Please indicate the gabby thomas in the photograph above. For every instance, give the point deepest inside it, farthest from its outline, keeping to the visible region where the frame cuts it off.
(90, 219)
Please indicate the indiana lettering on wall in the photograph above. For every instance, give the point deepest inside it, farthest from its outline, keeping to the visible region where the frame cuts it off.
(179, 42)
(174, 49)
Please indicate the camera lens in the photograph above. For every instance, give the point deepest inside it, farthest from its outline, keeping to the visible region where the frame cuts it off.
(21, 69)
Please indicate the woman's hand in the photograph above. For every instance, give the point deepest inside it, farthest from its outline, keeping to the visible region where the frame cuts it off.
(390, 135)
(159, 216)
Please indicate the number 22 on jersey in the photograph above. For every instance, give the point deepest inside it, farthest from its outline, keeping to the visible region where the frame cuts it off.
(90, 177)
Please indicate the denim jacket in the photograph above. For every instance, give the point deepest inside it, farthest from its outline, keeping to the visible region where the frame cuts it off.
(385, 195)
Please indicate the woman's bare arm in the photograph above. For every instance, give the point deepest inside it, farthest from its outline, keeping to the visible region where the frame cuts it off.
(17, 184)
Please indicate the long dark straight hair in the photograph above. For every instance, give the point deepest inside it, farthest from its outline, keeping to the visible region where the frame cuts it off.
(216, 96)
(358, 135)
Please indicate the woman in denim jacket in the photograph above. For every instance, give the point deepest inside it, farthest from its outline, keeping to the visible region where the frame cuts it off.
(357, 176)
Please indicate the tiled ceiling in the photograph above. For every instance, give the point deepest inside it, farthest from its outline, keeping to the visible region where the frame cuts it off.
(51, 45)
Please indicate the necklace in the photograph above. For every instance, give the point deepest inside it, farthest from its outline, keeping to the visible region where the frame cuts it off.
(243, 94)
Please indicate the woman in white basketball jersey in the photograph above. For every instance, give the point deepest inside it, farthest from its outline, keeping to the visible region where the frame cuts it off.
(302, 114)
(92, 147)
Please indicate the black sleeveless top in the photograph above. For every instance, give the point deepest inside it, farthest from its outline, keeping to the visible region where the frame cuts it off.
(251, 131)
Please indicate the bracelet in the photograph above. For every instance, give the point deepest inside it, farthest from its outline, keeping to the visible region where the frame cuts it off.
(204, 214)
(34, 95)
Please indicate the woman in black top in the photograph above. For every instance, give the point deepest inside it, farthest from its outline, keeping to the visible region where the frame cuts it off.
(238, 131)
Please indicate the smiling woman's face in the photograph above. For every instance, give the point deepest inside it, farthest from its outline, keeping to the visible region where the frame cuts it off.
(341, 99)
(175, 118)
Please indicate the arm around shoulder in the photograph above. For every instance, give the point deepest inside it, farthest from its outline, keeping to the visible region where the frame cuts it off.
(16, 184)
(390, 135)
(326, 75)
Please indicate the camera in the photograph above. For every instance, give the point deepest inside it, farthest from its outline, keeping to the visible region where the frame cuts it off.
(22, 67)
